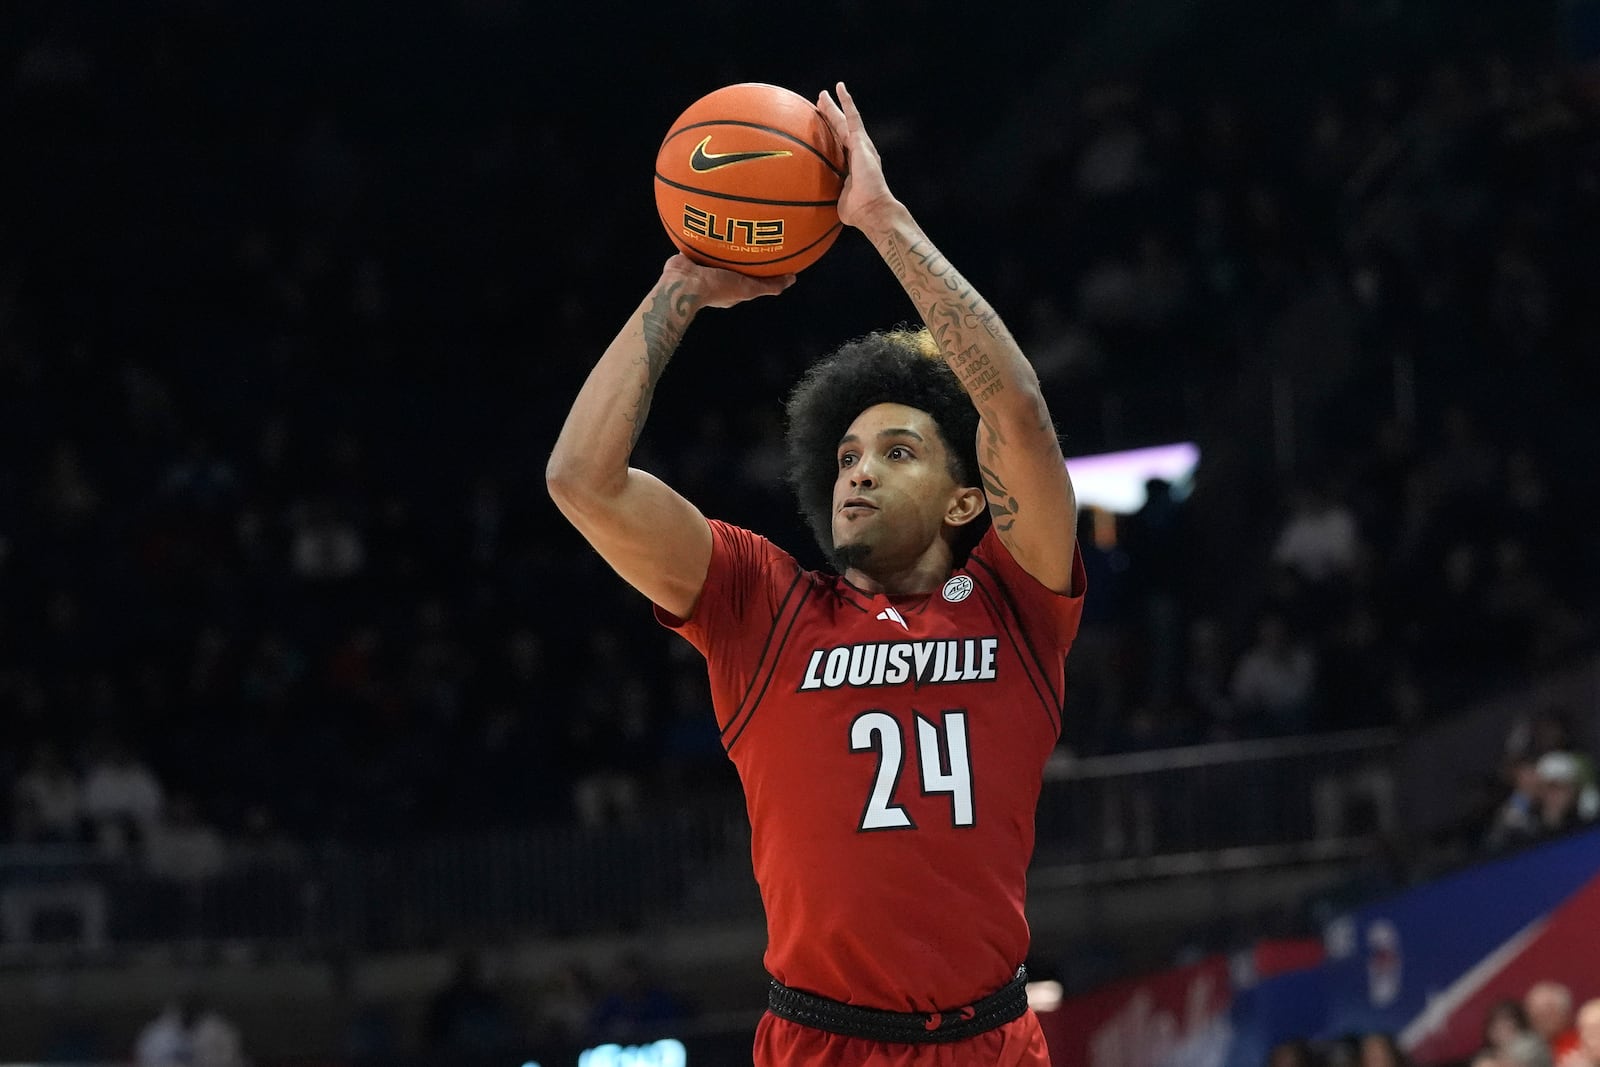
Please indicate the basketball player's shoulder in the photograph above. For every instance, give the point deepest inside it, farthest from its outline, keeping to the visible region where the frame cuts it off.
(990, 567)
(988, 556)
(751, 549)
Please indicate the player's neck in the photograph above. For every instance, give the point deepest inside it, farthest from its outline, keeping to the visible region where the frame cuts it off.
(923, 576)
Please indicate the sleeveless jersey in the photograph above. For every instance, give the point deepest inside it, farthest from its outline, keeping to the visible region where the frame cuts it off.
(891, 750)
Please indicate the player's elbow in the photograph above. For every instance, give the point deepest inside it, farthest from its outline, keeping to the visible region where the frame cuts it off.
(563, 479)
(577, 487)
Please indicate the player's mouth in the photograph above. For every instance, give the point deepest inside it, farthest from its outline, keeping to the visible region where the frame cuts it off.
(857, 506)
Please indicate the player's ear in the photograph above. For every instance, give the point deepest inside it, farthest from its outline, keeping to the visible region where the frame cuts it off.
(967, 504)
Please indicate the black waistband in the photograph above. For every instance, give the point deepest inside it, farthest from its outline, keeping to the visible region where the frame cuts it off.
(908, 1027)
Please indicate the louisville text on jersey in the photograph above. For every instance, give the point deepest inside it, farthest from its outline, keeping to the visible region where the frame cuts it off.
(960, 659)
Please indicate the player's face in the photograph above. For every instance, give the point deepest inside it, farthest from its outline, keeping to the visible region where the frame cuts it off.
(893, 489)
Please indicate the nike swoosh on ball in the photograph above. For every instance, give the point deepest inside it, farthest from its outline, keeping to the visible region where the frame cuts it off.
(702, 161)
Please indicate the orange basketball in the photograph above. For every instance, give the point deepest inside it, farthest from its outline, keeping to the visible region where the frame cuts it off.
(748, 179)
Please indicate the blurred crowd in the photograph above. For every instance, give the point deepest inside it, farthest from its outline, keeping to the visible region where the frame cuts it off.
(1547, 787)
(281, 358)
(479, 1013)
(1545, 1027)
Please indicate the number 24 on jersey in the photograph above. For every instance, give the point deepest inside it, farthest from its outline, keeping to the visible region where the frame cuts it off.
(942, 764)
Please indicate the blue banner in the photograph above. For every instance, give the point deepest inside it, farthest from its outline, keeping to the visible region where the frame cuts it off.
(1292, 1005)
(1386, 960)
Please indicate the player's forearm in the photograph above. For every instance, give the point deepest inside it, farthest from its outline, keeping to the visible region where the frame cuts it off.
(591, 453)
(973, 339)
(1019, 456)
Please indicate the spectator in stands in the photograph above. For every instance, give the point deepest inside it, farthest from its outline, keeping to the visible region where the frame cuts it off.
(1504, 1024)
(1341, 1051)
(47, 800)
(1549, 1008)
(1517, 820)
(1319, 541)
(1527, 1050)
(1561, 805)
(1273, 682)
(1550, 730)
(1154, 538)
(1587, 1052)
(1379, 1049)
(189, 1033)
(1295, 1052)
(122, 799)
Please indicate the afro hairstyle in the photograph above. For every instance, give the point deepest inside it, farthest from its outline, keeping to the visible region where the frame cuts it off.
(898, 366)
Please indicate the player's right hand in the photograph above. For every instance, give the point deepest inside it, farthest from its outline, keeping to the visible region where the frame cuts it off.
(866, 192)
(715, 287)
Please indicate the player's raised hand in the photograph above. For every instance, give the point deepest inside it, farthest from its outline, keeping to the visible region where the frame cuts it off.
(718, 288)
(865, 190)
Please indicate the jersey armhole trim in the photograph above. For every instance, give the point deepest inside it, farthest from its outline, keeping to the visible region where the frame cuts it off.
(1038, 677)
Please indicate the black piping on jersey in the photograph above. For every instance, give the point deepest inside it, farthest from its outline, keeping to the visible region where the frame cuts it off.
(771, 664)
(782, 605)
(865, 609)
(1052, 703)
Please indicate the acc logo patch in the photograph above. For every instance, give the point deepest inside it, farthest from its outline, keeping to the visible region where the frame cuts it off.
(958, 589)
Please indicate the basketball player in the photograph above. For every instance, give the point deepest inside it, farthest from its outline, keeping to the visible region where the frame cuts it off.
(889, 724)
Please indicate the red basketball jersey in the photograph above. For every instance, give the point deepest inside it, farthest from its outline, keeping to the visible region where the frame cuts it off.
(891, 750)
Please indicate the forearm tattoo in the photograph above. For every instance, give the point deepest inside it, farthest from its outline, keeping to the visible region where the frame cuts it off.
(1003, 507)
(977, 347)
(955, 314)
(663, 324)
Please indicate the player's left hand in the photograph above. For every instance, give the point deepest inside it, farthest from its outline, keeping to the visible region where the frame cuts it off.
(865, 190)
(718, 288)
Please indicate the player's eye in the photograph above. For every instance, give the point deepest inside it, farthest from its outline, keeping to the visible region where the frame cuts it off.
(847, 459)
(899, 452)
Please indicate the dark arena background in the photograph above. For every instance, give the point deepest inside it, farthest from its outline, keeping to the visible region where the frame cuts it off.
(324, 740)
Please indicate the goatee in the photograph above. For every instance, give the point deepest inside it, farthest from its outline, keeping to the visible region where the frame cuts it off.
(846, 557)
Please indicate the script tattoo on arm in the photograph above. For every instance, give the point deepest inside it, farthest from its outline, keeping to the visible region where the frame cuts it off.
(959, 318)
(1019, 455)
(663, 324)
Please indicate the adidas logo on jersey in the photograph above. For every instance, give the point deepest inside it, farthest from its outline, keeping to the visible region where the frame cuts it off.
(964, 659)
(890, 614)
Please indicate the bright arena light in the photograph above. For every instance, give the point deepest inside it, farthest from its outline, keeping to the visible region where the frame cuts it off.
(1115, 481)
(1044, 996)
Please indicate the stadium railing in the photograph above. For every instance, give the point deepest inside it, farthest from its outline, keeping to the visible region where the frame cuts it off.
(1144, 814)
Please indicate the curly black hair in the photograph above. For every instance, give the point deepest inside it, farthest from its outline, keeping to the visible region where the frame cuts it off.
(898, 366)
